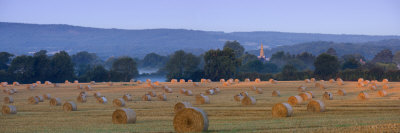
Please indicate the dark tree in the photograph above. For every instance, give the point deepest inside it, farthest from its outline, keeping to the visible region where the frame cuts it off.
(182, 65)
(124, 69)
(385, 56)
(331, 51)
(154, 60)
(82, 60)
(236, 47)
(220, 64)
(61, 67)
(326, 66)
(289, 72)
(247, 58)
(95, 73)
(4, 60)
(42, 66)
(22, 69)
(351, 63)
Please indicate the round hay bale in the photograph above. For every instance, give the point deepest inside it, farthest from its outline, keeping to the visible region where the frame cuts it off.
(385, 86)
(340, 82)
(327, 96)
(237, 81)
(302, 88)
(40, 98)
(157, 83)
(102, 100)
(253, 88)
(191, 119)
(363, 96)
(312, 80)
(79, 87)
(33, 100)
(307, 81)
(152, 93)
(276, 93)
(30, 87)
(174, 80)
(124, 116)
(244, 93)
(66, 82)
(360, 80)
(127, 97)
(146, 97)
(38, 82)
(341, 92)
(8, 99)
(76, 82)
(181, 105)
(305, 96)
(9, 109)
(119, 102)
(282, 110)
(168, 90)
(138, 82)
(293, 100)
(182, 81)
(190, 81)
(259, 91)
(47, 96)
(316, 106)
(216, 90)
(56, 85)
(201, 99)
(226, 84)
(188, 93)
(16, 84)
(55, 102)
(162, 97)
(222, 80)
(238, 97)
(247, 80)
(88, 88)
(385, 81)
(311, 93)
(182, 91)
(92, 82)
(382, 93)
(195, 84)
(81, 98)
(257, 80)
(360, 85)
(371, 87)
(248, 100)
(331, 80)
(10, 92)
(366, 82)
(83, 93)
(97, 94)
(272, 81)
(69, 106)
(210, 92)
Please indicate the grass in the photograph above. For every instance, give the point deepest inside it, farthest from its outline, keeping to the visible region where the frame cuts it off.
(343, 113)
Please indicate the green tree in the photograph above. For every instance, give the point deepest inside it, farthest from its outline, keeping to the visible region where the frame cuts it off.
(236, 47)
(351, 63)
(4, 60)
(124, 69)
(247, 58)
(331, 51)
(385, 56)
(154, 60)
(308, 59)
(82, 60)
(280, 58)
(326, 66)
(220, 64)
(22, 69)
(95, 73)
(41, 66)
(289, 72)
(61, 67)
(182, 65)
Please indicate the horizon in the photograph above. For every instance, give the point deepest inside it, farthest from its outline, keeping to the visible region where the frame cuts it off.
(193, 29)
(333, 17)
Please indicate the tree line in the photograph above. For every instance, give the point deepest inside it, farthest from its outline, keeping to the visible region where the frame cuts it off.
(230, 62)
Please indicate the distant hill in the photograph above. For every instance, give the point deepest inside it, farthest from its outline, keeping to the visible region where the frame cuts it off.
(368, 49)
(21, 38)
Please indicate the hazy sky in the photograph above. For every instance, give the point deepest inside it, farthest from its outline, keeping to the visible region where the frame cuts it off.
(373, 17)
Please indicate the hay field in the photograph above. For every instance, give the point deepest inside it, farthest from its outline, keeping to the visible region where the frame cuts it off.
(343, 113)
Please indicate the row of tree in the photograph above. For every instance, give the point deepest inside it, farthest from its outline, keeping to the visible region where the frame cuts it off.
(230, 62)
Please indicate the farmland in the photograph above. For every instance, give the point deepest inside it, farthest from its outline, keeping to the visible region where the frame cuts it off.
(342, 114)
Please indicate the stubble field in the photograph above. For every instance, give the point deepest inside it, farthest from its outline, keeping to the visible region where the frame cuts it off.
(343, 113)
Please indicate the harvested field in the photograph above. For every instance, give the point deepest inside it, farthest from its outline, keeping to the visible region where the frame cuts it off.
(342, 114)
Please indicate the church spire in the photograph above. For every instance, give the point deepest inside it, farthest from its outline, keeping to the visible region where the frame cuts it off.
(262, 51)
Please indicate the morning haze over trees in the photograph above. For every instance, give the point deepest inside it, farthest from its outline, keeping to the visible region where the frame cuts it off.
(230, 62)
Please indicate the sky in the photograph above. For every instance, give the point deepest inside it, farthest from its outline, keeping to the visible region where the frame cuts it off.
(368, 17)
